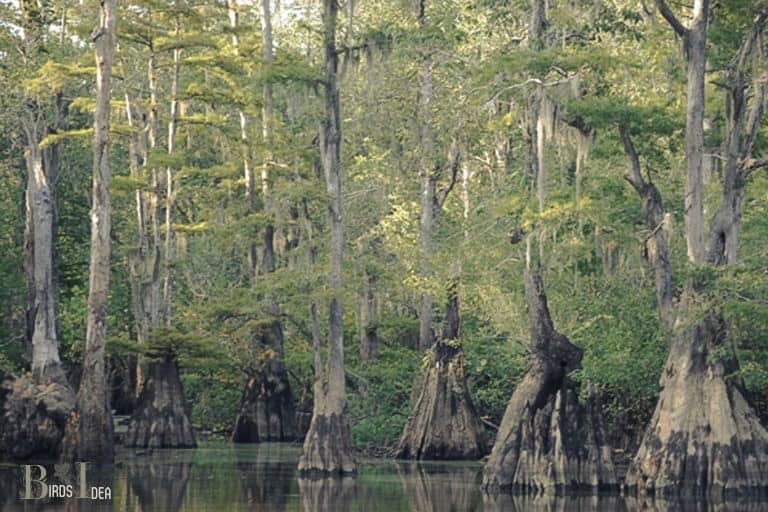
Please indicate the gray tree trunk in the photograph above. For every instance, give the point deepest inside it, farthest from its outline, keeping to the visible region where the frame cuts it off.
(267, 410)
(327, 446)
(656, 246)
(704, 437)
(548, 440)
(369, 339)
(46, 365)
(160, 419)
(444, 423)
(89, 427)
(33, 411)
(427, 176)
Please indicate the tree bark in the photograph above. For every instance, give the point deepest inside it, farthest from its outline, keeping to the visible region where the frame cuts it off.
(267, 410)
(46, 365)
(369, 340)
(444, 423)
(704, 436)
(160, 419)
(327, 446)
(656, 245)
(33, 411)
(89, 427)
(547, 439)
(696, 59)
(427, 171)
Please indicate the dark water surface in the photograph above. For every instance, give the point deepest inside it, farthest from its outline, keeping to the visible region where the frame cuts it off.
(224, 477)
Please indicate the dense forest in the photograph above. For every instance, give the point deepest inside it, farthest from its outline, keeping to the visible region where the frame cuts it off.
(531, 232)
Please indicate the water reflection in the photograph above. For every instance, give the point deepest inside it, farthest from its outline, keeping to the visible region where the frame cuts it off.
(551, 503)
(735, 505)
(266, 478)
(260, 478)
(156, 485)
(336, 494)
(441, 487)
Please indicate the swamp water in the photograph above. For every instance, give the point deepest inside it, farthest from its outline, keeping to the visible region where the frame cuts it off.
(225, 477)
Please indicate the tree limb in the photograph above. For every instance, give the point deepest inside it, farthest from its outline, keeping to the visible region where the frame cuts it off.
(454, 160)
(668, 15)
(635, 177)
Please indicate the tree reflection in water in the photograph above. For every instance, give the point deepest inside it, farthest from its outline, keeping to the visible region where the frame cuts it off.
(501, 502)
(440, 487)
(337, 494)
(156, 485)
(266, 478)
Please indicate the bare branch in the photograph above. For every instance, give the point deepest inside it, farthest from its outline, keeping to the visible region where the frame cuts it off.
(668, 15)
(454, 159)
(753, 165)
(635, 177)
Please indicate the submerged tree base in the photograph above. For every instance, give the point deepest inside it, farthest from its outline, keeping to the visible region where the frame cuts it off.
(34, 417)
(704, 437)
(548, 440)
(160, 419)
(327, 448)
(444, 424)
(267, 412)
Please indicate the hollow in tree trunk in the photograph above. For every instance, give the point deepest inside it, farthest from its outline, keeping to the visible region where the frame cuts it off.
(160, 419)
(444, 423)
(547, 439)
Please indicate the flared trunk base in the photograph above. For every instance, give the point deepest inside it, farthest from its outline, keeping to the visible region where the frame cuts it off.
(33, 417)
(267, 411)
(327, 448)
(444, 424)
(704, 437)
(160, 419)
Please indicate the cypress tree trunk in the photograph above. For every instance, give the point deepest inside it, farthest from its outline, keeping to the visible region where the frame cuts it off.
(548, 440)
(89, 427)
(704, 436)
(427, 177)
(33, 410)
(327, 446)
(267, 410)
(444, 423)
(160, 419)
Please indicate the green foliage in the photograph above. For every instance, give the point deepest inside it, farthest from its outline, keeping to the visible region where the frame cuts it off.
(605, 64)
(380, 395)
